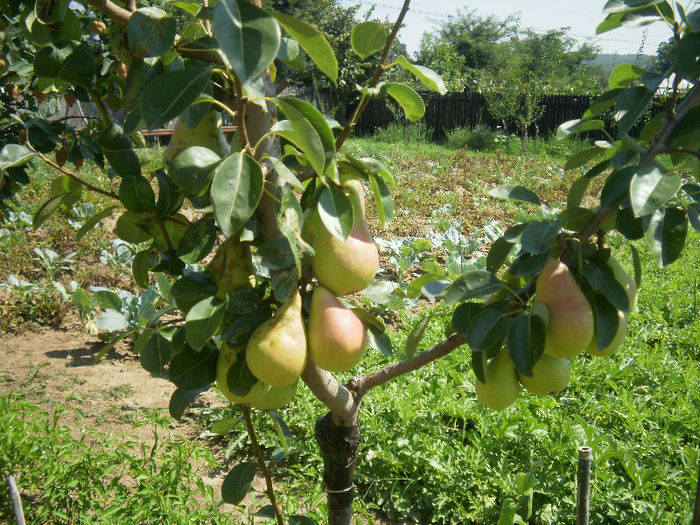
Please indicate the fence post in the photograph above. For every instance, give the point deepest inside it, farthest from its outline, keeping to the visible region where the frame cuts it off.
(584, 485)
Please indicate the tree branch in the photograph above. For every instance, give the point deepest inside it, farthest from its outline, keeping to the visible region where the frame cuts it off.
(362, 384)
(111, 10)
(73, 176)
(375, 80)
(131, 5)
(339, 400)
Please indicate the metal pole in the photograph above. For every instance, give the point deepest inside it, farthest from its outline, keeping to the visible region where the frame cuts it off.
(584, 485)
(16, 502)
(696, 512)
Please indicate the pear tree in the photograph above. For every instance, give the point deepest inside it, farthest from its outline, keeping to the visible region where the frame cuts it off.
(258, 242)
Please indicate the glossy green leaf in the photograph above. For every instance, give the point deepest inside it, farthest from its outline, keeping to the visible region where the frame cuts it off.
(630, 105)
(116, 147)
(688, 56)
(170, 94)
(473, 284)
(192, 169)
(665, 231)
(192, 288)
(621, 6)
(336, 212)
(92, 221)
(582, 157)
(289, 49)
(248, 37)
(180, 400)
(516, 193)
(383, 202)
(289, 218)
(68, 186)
(416, 336)
(47, 209)
(538, 236)
(629, 225)
(572, 127)
(601, 278)
(13, 155)
(367, 38)
(237, 482)
(650, 189)
(203, 321)
(151, 32)
(379, 340)
(526, 338)
(693, 211)
(236, 191)
(198, 241)
(410, 101)
(312, 42)
(528, 264)
(79, 67)
(601, 103)
(607, 321)
(134, 227)
(156, 354)
(192, 370)
(463, 316)
(136, 194)
(577, 191)
(486, 329)
(427, 76)
(312, 134)
(498, 253)
(623, 75)
(616, 187)
(140, 265)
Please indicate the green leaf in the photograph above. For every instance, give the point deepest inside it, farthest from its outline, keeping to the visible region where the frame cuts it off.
(416, 336)
(379, 340)
(602, 103)
(289, 50)
(616, 187)
(477, 283)
(198, 240)
(572, 127)
(133, 227)
(410, 101)
(694, 215)
(526, 338)
(13, 155)
(486, 329)
(156, 354)
(66, 185)
(607, 321)
(192, 370)
(108, 300)
(136, 194)
(498, 253)
(239, 379)
(336, 212)
(151, 32)
(237, 482)
(516, 193)
(236, 191)
(367, 38)
(582, 157)
(463, 316)
(312, 42)
(120, 154)
(602, 279)
(427, 76)
(528, 264)
(628, 225)
(181, 399)
(289, 218)
(629, 107)
(665, 231)
(623, 75)
(688, 56)
(577, 192)
(192, 288)
(92, 221)
(47, 209)
(140, 265)
(203, 321)
(538, 236)
(193, 168)
(621, 6)
(165, 97)
(79, 67)
(651, 188)
(248, 37)
(312, 134)
(382, 200)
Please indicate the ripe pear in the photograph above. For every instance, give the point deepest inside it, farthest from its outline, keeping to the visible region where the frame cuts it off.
(625, 280)
(614, 344)
(346, 266)
(207, 134)
(550, 375)
(276, 397)
(336, 335)
(501, 388)
(231, 267)
(571, 322)
(276, 352)
(227, 357)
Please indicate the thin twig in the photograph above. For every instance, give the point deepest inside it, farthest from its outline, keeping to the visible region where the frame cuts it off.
(375, 80)
(100, 106)
(73, 176)
(673, 149)
(166, 235)
(261, 463)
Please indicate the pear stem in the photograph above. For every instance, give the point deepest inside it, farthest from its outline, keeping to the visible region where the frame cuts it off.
(270, 491)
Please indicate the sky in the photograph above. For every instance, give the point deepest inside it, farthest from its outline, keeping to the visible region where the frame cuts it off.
(581, 16)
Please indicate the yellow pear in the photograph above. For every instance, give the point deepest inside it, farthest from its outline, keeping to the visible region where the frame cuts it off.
(276, 352)
(625, 280)
(276, 397)
(227, 357)
(550, 375)
(571, 322)
(231, 267)
(207, 134)
(614, 344)
(501, 388)
(336, 335)
(346, 266)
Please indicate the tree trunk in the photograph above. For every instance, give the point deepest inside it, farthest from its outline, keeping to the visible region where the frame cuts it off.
(339, 451)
